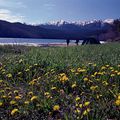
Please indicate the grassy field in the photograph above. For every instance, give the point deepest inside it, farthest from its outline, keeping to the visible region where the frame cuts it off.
(60, 83)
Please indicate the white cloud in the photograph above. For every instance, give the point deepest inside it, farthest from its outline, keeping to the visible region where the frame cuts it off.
(7, 15)
(13, 4)
(49, 5)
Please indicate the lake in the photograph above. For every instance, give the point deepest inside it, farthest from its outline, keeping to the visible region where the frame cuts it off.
(35, 42)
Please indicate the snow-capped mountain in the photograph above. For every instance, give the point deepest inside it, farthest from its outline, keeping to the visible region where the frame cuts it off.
(81, 23)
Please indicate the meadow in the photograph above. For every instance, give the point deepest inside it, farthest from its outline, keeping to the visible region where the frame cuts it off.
(60, 83)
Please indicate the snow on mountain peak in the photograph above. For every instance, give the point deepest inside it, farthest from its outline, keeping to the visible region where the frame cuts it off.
(79, 22)
(110, 21)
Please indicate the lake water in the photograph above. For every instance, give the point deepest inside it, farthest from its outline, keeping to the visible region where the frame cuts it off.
(35, 42)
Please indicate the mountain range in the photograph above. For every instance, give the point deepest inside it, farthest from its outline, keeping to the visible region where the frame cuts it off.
(102, 29)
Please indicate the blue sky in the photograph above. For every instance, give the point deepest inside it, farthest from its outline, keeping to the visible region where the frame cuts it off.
(42, 11)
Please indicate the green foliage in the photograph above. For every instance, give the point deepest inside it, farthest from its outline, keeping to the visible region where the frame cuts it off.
(60, 82)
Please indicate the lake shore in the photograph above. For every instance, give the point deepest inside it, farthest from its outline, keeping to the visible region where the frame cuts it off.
(39, 45)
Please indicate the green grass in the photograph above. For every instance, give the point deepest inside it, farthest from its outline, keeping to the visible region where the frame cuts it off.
(50, 76)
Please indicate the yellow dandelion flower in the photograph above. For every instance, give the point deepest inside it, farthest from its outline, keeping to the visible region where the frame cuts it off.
(1, 81)
(82, 70)
(1, 104)
(80, 105)
(118, 97)
(27, 70)
(77, 111)
(105, 83)
(112, 75)
(17, 97)
(53, 88)
(12, 102)
(30, 93)
(21, 60)
(34, 98)
(72, 70)
(88, 109)
(117, 102)
(46, 93)
(9, 75)
(118, 73)
(103, 68)
(26, 102)
(16, 91)
(86, 79)
(14, 111)
(19, 73)
(77, 98)
(63, 77)
(118, 65)
(85, 112)
(87, 103)
(4, 96)
(56, 107)
(95, 73)
(74, 85)
(93, 88)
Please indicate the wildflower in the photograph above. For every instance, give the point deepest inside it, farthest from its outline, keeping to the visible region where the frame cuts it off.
(118, 73)
(34, 98)
(14, 111)
(1, 81)
(12, 102)
(105, 83)
(82, 70)
(93, 88)
(86, 79)
(19, 73)
(77, 105)
(98, 96)
(46, 93)
(9, 75)
(77, 111)
(30, 93)
(117, 102)
(112, 75)
(118, 65)
(95, 73)
(16, 91)
(26, 102)
(119, 97)
(72, 70)
(32, 82)
(53, 88)
(1, 103)
(35, 64)
(80, 105)
(86, 103)
(10, 93)
(74, 85)
(107, 65)
(4, 96)
(56, 107)
(86, 111)
(21, 60)
(63, 77)
(27, 70)
(77, 98)
(103, 68)
(17, 97)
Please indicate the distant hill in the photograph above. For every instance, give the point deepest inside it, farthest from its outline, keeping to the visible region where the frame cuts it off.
(60, 30)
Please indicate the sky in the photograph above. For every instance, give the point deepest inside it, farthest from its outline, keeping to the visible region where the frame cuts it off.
(43, 11)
